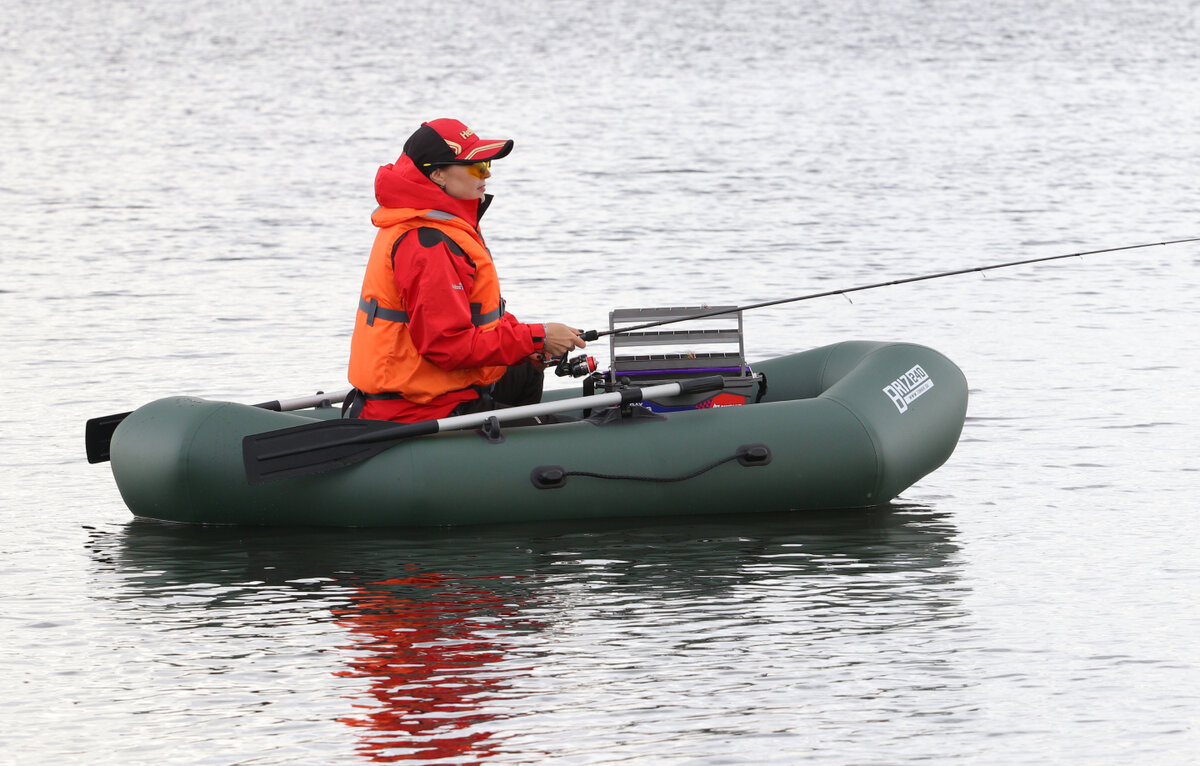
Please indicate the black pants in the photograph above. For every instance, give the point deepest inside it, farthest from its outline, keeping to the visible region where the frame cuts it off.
(521, 384)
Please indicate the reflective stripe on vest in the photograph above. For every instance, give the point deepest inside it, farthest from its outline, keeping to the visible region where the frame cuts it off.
(479, 320)
(373, 312)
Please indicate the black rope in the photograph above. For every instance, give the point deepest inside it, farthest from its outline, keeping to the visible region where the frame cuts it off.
(655, 479)
(554, 476)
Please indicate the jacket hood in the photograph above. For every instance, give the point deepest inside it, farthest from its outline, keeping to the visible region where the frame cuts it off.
(402, 185)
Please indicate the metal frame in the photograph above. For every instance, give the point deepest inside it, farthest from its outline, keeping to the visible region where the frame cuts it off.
(679, 338)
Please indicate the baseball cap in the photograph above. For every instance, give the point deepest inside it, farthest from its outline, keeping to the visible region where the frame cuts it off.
(449, 142)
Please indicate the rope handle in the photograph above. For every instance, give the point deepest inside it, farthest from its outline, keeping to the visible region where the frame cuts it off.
(555, 476)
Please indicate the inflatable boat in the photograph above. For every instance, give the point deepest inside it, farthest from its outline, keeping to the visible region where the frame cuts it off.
(843, 426)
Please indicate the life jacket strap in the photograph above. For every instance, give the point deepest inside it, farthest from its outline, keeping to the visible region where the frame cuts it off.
(373, 311)
(479, 319)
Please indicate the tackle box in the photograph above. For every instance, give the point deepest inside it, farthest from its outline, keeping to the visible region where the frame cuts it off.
(639, 357)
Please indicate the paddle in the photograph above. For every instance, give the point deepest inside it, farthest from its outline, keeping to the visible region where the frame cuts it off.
(99, 431)
(318, 447)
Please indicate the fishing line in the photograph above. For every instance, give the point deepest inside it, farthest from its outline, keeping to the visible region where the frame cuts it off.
(593, 334)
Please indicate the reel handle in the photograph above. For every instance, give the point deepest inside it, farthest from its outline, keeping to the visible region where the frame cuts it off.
(575, 367)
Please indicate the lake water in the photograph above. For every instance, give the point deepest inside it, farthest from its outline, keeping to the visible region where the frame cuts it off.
(184, 200)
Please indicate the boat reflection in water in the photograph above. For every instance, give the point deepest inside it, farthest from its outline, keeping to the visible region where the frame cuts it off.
(453, 635)
(423, 643)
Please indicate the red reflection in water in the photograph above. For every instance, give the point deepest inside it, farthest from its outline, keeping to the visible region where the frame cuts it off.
(421, 645)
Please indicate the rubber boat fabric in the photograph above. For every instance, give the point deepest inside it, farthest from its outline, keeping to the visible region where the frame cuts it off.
(849, 425)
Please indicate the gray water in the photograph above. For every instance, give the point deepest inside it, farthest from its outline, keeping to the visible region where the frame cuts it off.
(185, 192)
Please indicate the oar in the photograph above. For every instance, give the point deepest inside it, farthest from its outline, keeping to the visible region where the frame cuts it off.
(317, 447)
(99, 431)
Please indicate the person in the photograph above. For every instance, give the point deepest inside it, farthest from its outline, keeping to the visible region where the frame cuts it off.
(432, 336)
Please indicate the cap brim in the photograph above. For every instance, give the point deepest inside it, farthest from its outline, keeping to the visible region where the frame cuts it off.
(485, 150)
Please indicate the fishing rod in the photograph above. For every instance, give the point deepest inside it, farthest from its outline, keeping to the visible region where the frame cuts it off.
(595, 335)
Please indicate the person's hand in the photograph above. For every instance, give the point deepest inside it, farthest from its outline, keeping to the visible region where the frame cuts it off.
(560, 339)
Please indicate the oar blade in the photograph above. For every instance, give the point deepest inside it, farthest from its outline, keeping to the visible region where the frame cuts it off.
(314, 448)
(98, 435)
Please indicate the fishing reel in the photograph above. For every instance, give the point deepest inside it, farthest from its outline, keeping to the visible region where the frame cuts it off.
(575, 367)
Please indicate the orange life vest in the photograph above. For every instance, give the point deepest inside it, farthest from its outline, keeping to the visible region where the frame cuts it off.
(383, 357)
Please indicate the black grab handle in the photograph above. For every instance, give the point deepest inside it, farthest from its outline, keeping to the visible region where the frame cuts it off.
(555, 476)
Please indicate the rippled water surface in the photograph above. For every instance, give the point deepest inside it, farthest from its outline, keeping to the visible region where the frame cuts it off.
(184, 200)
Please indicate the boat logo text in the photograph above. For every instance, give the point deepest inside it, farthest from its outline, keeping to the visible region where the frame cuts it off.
(905, 389)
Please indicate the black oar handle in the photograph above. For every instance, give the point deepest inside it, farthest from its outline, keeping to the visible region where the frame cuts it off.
(691, 386)
(707, 383)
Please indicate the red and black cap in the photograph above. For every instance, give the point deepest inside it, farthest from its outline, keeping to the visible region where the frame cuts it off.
(449, 142)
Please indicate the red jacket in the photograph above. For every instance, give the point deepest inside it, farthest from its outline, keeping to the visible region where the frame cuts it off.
(431, 326)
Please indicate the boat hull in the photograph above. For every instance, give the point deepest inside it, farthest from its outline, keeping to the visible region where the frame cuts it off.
(841, 425)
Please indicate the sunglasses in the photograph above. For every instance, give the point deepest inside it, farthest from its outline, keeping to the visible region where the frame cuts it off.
(480, 169)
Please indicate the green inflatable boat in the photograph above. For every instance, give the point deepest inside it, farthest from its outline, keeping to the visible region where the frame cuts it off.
(843, 426)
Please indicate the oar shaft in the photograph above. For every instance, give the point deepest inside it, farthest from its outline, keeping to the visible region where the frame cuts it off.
(508, 414)
(303, 403)
(596, 401)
